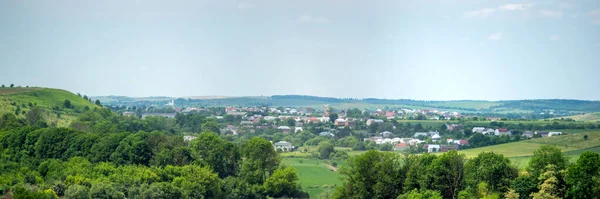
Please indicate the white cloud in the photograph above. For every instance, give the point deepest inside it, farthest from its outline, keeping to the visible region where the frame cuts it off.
(551, 13)
(480, 13)
(554, 38)
(312, 19)
(246, 6)
(514, 7)
(496, 36)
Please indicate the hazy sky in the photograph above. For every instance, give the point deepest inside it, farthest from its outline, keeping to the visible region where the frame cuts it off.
(418, 49)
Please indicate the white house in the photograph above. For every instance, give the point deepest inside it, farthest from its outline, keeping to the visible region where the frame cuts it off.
(478, 129)
(550, 134)
(283, 146)
(433, 148)
(285, 129)
(297, 129)
(373, 121)
(436, 138)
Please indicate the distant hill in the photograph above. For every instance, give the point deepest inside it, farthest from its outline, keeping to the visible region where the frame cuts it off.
(52, 101)
(536, 108)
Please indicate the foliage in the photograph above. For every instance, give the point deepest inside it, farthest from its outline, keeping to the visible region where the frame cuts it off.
(493, 169)
(546, 155)
(422, 194)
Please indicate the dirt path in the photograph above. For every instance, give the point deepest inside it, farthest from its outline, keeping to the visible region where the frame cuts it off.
(331, 167)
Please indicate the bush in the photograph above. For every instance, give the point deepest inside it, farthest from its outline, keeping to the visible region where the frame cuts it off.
(77, 191)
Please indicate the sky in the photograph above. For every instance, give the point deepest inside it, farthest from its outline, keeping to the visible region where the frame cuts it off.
(393, 49)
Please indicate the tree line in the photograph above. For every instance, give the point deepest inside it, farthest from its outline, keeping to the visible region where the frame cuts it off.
(451, 175)
(104, 155)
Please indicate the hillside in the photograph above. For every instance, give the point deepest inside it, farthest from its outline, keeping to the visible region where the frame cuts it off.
(520, 152)
(52, 101)
(586, 117)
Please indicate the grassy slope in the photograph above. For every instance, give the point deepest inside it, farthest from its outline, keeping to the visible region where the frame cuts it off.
(589, 117)
(45, 98)
(313, 172)
(520, 152)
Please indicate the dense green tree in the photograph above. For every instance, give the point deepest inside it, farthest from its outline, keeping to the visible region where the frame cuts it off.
(582, 177)
(54, 143)
(546, 155)
(9, 121)
(333, 117)
(222, 156)
(134, 149)
(260, 160)
(77, 192)
(372, 175)
(416, 173)
(237, 188)
(550, 188)
(325, 148)
(35, 116)
(524, 185)
(104, 190)
(12, 85)
(447, 173)
(68, 104)
(422, 194)
(105, 146)
(498, 176)
(290, 122)
(198, 182)
(283, 182)
(211, 126)
(98, 103)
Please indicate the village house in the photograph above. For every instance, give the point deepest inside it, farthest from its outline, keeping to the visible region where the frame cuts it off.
(478, 129)
(501, 132)
(447, 148)
(298, 129)
(374, 121)
(326, 134)
(542, 134)
(284, 129)
(351, 123)
(401, 147)
(340, 122)
(432, 148)
(283, 146)
(420, 134)
(550, 134)
(386, 134)
(246, 123)
(528, 134)
(436, 138)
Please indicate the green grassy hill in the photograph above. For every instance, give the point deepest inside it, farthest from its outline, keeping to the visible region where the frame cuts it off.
(520, 152)
(51, 100)
(588, 117)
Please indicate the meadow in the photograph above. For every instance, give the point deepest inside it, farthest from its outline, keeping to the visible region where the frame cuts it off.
(314, 175)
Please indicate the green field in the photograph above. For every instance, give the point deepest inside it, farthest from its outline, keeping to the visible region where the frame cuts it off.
(520, 152)
(588, 117)
(45, 98)
(314, 172)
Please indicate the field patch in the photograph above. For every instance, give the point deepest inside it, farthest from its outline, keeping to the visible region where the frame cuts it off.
(314, 175)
